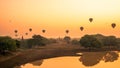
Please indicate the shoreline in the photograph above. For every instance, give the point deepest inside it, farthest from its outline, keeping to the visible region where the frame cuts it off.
(41, 54)
(46, 52)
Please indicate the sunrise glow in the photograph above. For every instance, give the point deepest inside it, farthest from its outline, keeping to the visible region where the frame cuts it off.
(55, 16)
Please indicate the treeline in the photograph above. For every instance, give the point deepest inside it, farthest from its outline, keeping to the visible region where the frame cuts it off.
(7, 44)
(99, 41)
(36, 40)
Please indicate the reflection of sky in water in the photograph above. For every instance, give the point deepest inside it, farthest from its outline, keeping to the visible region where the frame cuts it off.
(88, 60)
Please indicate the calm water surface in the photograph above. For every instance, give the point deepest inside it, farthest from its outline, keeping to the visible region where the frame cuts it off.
(87, 60)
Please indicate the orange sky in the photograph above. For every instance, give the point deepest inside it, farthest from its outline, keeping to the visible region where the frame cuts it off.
(58, 15)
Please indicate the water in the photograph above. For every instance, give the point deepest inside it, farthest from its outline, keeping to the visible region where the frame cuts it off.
(87, 60)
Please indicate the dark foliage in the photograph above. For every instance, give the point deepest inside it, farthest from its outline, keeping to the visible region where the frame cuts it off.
(7, 44)
(67, 39)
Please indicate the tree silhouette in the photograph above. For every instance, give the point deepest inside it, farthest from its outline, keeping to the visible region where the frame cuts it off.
(67, 39)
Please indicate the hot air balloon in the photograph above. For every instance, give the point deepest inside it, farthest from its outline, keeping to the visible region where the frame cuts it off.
(113, 25)
(26, 33)
(16, 35)
(43, 31)
(67, 31)
(15, 31)
(30, 29)
(90, 19)
(10, 21)
(81, 28)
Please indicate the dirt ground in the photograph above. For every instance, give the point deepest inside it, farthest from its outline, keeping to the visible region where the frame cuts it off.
(44, 52)
(39, 53)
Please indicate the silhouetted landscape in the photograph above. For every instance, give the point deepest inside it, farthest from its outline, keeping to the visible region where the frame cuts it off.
(15, 52)
(59, 34)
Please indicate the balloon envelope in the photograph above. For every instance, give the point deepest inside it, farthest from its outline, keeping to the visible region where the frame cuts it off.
(67, 31)
(81, 28)
(26, 33)
(113, 25)
(15, 31)
(16, 35)
(10, 21)
(43, 31)
(90, 19)
(30, 29)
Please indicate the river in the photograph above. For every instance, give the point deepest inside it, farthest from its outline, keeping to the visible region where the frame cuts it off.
(87, 60)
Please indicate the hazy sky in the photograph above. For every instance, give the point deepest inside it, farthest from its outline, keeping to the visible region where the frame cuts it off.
(58, 15)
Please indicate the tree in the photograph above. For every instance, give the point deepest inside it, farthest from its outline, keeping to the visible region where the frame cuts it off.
(17, 43)
(40, 40)
(7, 44)
(89, 41)
(110, 41)
(75, 42)
(118, 43)
(30, 43)
(36, 40)
(67, 39)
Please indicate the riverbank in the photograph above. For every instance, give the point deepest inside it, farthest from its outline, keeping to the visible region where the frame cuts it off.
(30, 55)
(45, 52)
